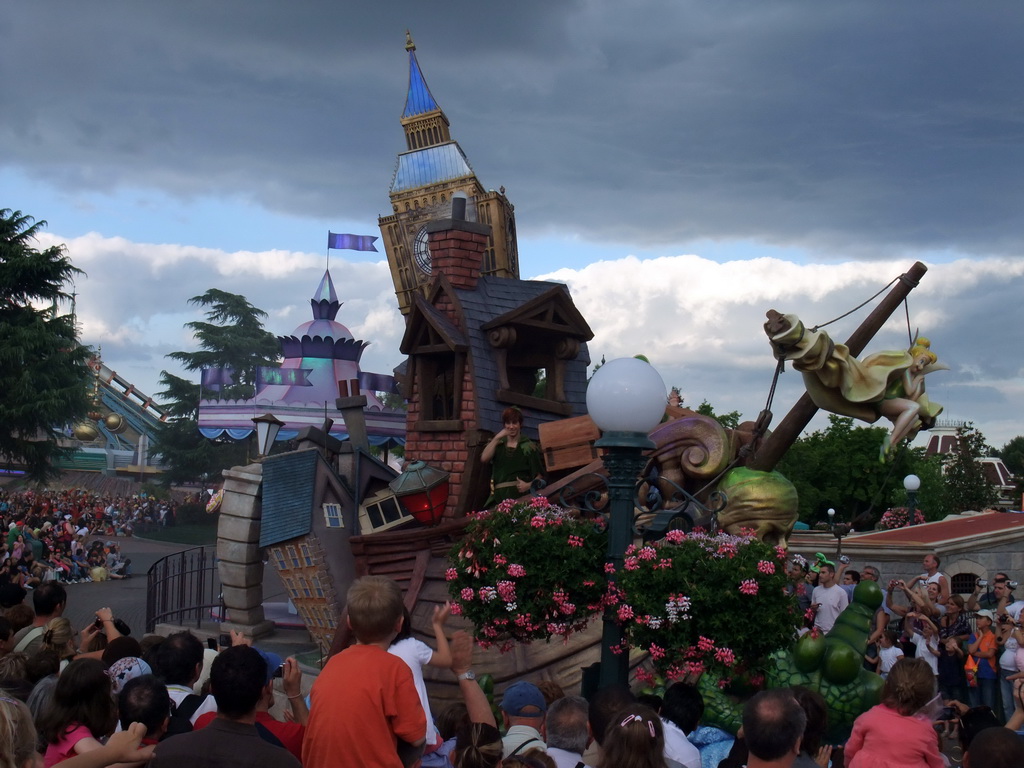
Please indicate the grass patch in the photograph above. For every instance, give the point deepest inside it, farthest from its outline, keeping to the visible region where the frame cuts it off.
(196, 535)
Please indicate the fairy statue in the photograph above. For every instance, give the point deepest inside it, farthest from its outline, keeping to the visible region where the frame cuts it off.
(889, 384)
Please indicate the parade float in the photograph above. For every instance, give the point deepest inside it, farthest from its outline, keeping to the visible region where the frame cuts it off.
(670, 540)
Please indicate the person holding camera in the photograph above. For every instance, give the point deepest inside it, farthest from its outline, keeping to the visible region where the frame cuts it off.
(998, 593)
(1011, 641)
(983, 645)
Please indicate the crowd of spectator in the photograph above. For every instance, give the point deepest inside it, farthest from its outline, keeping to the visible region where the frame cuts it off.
(101, 696)
(68, 535)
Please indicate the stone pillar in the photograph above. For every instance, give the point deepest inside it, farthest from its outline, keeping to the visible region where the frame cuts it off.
(238, 552)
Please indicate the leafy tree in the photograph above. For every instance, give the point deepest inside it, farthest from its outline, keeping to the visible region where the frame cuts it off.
(729, 420)
(43, 370)
(233, 337)
(966, 483)
(1012, 455)
(839, 468)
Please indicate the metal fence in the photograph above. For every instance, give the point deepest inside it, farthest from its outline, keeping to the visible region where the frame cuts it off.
(183, 589)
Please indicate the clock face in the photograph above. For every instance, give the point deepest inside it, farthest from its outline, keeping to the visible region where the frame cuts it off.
(421, 251)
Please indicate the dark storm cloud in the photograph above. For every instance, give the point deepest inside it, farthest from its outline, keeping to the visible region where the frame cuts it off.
(857, 129)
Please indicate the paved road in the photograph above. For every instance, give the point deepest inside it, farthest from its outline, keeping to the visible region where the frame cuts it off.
(127, 597)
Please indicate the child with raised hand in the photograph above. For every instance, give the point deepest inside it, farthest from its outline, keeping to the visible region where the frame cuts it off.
(896, 732)
(888, 653)
(417, 654)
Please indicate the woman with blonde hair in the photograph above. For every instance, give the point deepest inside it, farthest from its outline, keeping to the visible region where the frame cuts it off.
(59, 637)
(896, 732)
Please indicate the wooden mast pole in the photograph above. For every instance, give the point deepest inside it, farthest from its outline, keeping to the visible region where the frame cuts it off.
(778, 442)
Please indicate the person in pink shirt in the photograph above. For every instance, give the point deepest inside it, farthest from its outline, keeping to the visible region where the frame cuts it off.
(895, 733)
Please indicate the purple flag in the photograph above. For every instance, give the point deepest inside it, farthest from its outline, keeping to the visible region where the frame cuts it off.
(351, 242)
(293, 377)
(215, 378)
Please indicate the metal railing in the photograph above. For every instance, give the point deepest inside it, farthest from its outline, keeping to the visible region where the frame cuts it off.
(183, 588)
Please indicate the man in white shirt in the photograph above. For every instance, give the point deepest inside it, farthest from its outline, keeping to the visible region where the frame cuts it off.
(680, 713)
(828, 599)
(522, 710)
(568, 731)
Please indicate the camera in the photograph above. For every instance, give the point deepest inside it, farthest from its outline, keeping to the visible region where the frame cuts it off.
(893, 583)
(1011, 584)
(844, 560)
(982, 582)
(1005, 619)
(224, 640)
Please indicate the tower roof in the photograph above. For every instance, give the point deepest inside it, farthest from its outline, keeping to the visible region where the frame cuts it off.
(419, 100)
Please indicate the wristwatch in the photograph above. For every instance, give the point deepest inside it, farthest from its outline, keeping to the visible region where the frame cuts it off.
(469, 674)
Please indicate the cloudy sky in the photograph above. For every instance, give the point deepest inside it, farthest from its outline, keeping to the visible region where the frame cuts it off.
(682, 166)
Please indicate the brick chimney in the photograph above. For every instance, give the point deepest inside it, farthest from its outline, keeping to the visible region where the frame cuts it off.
(457, 246)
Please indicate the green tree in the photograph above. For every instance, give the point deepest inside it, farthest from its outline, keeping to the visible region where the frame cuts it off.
(966, 484)
(1012, 455)
(233, 337)
(729, 420)
(43, 370)
(838, 468)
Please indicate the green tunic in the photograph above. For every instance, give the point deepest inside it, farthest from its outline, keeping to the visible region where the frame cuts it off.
(510, 464)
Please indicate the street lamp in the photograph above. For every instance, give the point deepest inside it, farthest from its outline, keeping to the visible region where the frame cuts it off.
(911, 483)
(626, 399)
(839, 531)
(423, 491)
(267, 427)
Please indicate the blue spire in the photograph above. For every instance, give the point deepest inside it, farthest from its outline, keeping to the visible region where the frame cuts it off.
(418, 101)
(325, 291)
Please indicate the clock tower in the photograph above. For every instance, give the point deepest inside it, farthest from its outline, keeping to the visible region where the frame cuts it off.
(433, 168)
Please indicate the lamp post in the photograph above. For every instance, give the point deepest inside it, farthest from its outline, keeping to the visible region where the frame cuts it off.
(423, 491)
(838, 530)
(267, 427)
(626, 399)
(912, 483)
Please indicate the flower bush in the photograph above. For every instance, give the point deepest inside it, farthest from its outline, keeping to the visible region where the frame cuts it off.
(896, 517)
(701, 603)
(527, 571)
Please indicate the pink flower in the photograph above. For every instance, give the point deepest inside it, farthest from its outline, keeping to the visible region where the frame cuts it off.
(456, 609)
(727, 550)
(780, 552)
(705, 643)
(693, 667)
(809, 614)
(540, 502)
(644, 676)
(647, 553)
(748, 587)
(631, 564)
(675, 536)
(575, 541)
(725, 656)
(657, 652)
(467, 594)
(451, 574)
(625, 612)
(516, 570)
(500, 560)
(507, 591)
(663, 564)
(766, 567)
(609, 568)
(538, 522)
